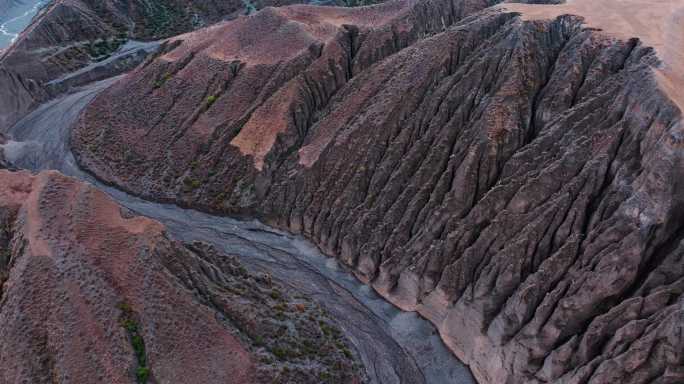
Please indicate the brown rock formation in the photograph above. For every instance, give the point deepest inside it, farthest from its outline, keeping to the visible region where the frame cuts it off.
(17, 96)
(4, 164)
(69, 35)
(91, 293)
(234, 93)
(518, 182)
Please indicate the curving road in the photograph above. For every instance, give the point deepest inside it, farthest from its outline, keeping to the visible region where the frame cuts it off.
(395, 346)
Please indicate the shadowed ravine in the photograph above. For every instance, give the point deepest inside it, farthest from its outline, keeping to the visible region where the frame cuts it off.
(395, 346)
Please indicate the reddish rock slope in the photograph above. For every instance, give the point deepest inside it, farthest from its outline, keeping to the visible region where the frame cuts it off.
(516, 181)
(234, 99)
(92, 293)
(69, 35)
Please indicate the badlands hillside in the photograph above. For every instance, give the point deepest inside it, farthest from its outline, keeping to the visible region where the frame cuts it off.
(511, 171)
(95, 39)
(92, 293)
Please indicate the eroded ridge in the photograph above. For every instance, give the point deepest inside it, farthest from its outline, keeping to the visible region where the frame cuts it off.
(91, 292)
(516, 181)
(658, 24)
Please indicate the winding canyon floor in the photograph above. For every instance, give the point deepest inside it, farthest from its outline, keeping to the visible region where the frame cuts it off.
(394, 346)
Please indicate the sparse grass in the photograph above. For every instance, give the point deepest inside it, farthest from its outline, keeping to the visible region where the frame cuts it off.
(296, 340)
(101, 49)
(283, 353)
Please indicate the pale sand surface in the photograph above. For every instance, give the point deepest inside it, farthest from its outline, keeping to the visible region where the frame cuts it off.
(658, 23)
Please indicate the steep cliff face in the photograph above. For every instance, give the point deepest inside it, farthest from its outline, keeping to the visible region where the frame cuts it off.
(238, 95)
(518, 182)
(92, 293)
(17, 96)
(4, 164)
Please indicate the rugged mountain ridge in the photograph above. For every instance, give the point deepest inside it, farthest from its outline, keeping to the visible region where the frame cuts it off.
(268, 77)
(516, 182)
(91, 292)
(68, 36)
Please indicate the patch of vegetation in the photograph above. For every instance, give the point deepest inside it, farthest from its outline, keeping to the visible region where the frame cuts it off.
(101, 49)
(294, 339)
(191, 183)
(162, 80)
(281, 353)
(163, 19)
(275, 294)
(211, 100)
(128, 322)
(142, 374)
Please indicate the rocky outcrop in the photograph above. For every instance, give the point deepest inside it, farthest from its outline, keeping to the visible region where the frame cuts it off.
(4, 164)
(89, 292)
(516, 182)
(17, 96)
(235, 93)
(69, 34)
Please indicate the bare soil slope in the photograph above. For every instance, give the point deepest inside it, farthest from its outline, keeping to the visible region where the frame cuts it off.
(91, 293)
(69, 35)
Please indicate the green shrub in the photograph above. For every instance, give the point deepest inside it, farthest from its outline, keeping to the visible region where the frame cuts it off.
(139, 348)
(192, 183)
(211, 100)
(142, 374)
(258, 341)
(127, 321)
(280, 353)
(130, 325)
(159, 82)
